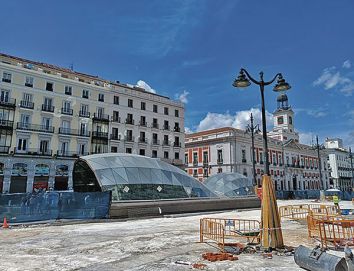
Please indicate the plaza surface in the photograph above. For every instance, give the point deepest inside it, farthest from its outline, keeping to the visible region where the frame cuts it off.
(145, 244)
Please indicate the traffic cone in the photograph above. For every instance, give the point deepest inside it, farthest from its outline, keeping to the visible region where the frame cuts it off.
(5, 225)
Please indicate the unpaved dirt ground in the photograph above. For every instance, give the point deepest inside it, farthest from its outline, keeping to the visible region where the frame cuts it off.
(146, 244)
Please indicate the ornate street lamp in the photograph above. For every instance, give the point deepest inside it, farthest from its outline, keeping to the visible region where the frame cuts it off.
(319, 147)
(253, 129)
(271, 234)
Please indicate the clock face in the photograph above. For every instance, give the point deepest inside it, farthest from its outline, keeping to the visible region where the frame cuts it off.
(280, 120)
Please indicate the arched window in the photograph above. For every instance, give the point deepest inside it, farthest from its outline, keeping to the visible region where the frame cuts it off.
(41, 170)
(19, 169)
(62, 170)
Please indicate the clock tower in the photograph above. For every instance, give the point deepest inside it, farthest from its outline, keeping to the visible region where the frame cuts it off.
(283, 121)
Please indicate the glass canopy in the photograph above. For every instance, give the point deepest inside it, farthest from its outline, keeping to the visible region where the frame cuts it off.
(135, 177)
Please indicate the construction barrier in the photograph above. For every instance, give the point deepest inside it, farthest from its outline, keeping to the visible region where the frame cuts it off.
(300, 212)
(18, 208)
(337, 233)
(223, 231)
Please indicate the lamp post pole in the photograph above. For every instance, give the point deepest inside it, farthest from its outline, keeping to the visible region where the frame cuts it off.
(351, 166)
(319, 162)
(271, 234)
(253, 129)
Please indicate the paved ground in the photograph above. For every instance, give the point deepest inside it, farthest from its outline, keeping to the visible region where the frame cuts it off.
(146, 244)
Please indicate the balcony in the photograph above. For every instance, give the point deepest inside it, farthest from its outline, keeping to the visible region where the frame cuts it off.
(84, 114)
(115, 137)
(34, 127)
(166, 127)
(67, 154)
(220, 161)
(67, 111)
(6, 124)
(155, 142)
(177, 129)
(176, 144)
(129, 138)
(100, 117)
(143, 123)
(26, 104)
(69, 131)
(143, 140)
(47, 108)
(33, 152)
(6, 80)
(129, 121)
(165, 143)
(155, 125)
(116, 119)
(8, 102)
(99, 135)
(4, 149)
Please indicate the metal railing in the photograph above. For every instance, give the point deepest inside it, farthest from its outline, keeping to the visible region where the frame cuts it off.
(143, 123)
(6, 123)
(9, 102)
(100, 117)
(155, 125)
(4, 149)
(67, 154)
(33, 152)
(34, 127)
(129, 138)
(142, 140)
(47, 108)
(129, 121)
(177, 144)
(155, 142)
(69, 131)
(115, 119)
(26, 104)
(115, 137)
(84, 114)
(67, 111)
(96, 134)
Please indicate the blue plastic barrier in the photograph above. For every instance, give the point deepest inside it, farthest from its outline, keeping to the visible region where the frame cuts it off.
(54, 205)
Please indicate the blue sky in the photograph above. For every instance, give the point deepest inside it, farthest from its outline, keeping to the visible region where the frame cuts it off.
(194, 49)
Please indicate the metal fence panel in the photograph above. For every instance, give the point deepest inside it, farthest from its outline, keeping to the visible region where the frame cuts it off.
(54, 205)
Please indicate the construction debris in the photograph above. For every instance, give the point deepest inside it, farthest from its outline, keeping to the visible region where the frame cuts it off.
(213, 257)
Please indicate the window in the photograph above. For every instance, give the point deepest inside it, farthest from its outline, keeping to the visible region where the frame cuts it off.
(129, 135)
(116, 116)
(130, 103)
(205, 157)
(220, 158)
(84, 110)
(27, 101)
(46, 123)
(195, 158)
(142, 120)
(29, 81)
(290, 120)
(85, 94)
(101, 97)
(115, 134)
(195, 173)
(186, 159)
(114, 149)
(43, 146)
(25, 120)
(165, 110)
(177, 143)
(165, 140)
(154, 108)
(65, 125)
(22, 144)
(219, 170)
(280, 120)
(154, 139)
(68, 90)
(177, 128)
(243, 156)
(155, 124)
(176, 155)
(116, 99)
(143, 106)
(142, 152)
(165, 154)
(128, 150)
(4, 95)
(66, 106)
(82, 149)
(49, 86)
(154, 154)
(130, 119)
(142, 137)
(6, 77)
(48, 104)
(261, 158)
(83, 128)
(100, 112)
(64, 148)
(176, 113)
(166, 126)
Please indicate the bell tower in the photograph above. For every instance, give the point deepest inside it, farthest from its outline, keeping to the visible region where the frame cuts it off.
(283, 121)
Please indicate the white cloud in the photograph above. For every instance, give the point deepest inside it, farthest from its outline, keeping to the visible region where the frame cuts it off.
(239, 120)
(347, 64)
(331, 78)
(188, 130)
(182, 97)
(144, 85)
(307, 138)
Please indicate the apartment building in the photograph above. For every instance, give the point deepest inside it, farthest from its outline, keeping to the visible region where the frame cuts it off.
(340, 164)
(293, 166)
(50, 115)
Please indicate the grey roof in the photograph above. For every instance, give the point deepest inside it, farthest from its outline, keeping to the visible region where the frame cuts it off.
(230, 184)
(120, 168)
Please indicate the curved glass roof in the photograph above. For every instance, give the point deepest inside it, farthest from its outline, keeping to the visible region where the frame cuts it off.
(230, 184)
(135, 177)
